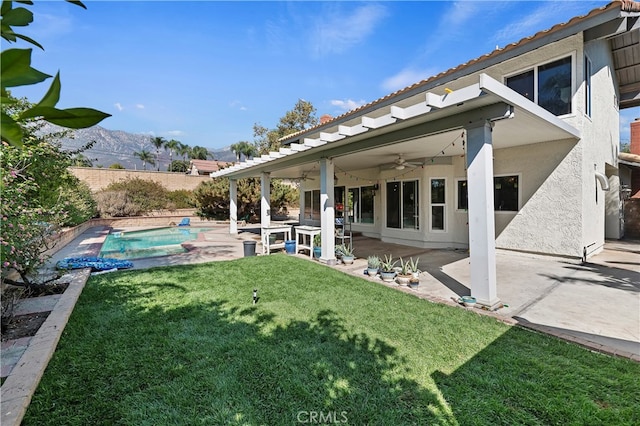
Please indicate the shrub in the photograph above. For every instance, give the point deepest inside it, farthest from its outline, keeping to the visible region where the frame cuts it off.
(180, 199)
(212, 197)
(116, 204)
(147, 195)
(116, 166)
(78, 203)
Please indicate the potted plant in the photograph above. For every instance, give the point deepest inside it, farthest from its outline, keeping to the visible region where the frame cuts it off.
(404, 274)
(373, 264)
(387, 269)
(317, 246)
(413, 267)
(414, 282)
(347, 254)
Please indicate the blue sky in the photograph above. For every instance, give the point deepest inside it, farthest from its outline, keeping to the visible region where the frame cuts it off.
(204, 72)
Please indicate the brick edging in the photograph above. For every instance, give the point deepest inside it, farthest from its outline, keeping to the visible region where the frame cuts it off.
(18, 389)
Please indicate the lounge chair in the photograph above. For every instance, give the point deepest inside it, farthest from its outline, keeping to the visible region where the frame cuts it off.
(185, 222)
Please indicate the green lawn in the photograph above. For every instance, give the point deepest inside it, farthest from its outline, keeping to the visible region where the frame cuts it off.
(186, 346)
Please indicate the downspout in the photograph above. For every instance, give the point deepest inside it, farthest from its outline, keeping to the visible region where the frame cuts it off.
(604, 181)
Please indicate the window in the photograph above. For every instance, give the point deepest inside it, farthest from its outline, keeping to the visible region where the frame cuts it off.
(587, 86)
(505, 194)
(548, 85)
(312, 204)
(360, 204)
(403, 205)
(438, 207)
(463, 201)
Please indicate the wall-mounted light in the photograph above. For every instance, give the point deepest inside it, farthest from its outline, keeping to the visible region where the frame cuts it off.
(335, 179)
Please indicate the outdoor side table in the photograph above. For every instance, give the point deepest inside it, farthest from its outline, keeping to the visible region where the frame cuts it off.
(304, 233)
(274, 229)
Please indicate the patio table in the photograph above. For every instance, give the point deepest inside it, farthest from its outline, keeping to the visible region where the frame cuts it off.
(303, 233)
(274, 229)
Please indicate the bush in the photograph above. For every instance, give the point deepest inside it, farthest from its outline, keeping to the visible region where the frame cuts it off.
(117, 166)
(146, 194)
(116, 204)
(180, 166)
(79, 204)
(212, 197)
(180, 199)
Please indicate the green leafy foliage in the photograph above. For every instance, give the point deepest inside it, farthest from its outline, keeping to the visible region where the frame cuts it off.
(38, 195)
(180, 199)
(213, 202)
(143, 195)
(180, 166)
(117, 166)
(16, 70)
(301, 117)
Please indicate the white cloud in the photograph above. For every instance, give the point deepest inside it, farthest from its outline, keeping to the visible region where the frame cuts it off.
(406, 77)
(238, 105)
(118, 106)
(348, 104)
(139, 106)
(336, 32)
(175, 133)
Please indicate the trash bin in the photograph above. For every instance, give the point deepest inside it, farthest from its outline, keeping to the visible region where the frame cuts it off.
(249, 248)
(290, 246)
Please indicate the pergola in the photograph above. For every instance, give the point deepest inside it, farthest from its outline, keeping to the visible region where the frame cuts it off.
(417, 124)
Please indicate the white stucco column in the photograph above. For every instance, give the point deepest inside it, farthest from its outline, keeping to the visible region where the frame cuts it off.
(233, 206)
(265, 200)
(327, 213)
(482, 240)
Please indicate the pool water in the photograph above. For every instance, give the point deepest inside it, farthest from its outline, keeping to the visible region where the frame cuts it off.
(148, 243)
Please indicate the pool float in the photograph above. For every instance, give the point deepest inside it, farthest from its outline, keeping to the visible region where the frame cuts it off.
(95, 263)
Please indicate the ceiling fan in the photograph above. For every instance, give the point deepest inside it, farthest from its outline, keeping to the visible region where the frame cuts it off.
(400, 163)
(303, 177)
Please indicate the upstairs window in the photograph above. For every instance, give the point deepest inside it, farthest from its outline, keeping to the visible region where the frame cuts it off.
(548, 85)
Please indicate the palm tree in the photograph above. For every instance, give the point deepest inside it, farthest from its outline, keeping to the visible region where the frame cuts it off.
(146, 157)
(243, 148)
(183, 150)
(249, 150)
(199, 153)
(158, 142)
(236, 148)
(172, 146)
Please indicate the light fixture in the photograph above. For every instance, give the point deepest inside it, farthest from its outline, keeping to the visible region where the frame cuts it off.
(335, 179)
(400, 167)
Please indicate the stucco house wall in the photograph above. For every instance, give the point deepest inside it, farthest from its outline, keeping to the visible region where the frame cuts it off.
(561, 209)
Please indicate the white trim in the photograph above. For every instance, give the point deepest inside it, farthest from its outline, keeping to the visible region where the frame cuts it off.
(445, 227)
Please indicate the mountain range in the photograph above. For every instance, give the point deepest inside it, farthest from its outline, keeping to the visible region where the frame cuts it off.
(117, 146)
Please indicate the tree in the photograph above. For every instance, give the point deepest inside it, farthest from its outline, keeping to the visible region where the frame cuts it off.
(37, 196)
(212, 197)
(301, 117)
(180, 166)
(172, 146)
(183, 150)
(81, 160)
(243, 148)
(16, 70)
(199, 153)
(146, 157)
(158, 142)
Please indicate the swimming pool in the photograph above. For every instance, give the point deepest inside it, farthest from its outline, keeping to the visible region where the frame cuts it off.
(148, 243)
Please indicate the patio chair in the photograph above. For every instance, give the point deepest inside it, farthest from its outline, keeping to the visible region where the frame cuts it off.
(185, 222)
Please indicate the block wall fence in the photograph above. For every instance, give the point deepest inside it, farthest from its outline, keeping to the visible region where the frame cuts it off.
(98, 179)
